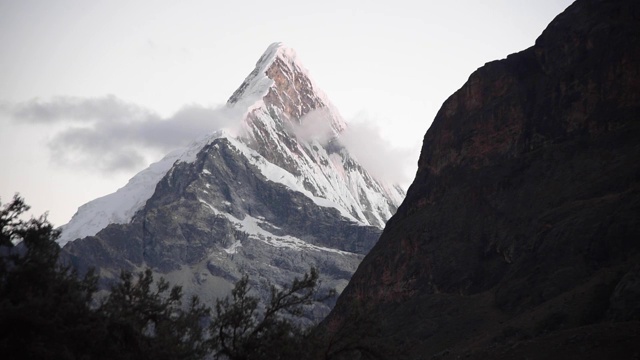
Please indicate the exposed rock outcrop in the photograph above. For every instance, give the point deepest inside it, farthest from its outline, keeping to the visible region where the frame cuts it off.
(523, 218)
(269, 201)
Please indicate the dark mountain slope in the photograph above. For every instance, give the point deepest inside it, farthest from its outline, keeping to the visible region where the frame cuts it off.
(524, 217)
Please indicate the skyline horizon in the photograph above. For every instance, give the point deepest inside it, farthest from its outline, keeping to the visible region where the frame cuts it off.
(168, 67)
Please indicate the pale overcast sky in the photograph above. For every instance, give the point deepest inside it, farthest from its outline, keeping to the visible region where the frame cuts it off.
(91, 92)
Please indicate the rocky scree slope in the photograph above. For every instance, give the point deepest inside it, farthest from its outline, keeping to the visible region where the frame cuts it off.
(521, 229)
(269, 199)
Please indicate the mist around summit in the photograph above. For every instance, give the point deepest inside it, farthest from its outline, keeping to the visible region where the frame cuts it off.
(108, 134)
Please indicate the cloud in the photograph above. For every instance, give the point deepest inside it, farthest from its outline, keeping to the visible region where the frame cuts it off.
(67, 108)
(109, 134)
(315, 125)
(366, 142)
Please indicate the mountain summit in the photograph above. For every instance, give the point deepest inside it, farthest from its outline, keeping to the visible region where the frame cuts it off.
(276, 197)
(289, 121)
(294, 126)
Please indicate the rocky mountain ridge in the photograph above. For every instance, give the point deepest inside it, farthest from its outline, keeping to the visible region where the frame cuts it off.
(269, 199)
(521, 226)
(289, 121)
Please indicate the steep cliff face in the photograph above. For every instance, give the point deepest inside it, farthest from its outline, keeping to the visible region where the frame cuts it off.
(295, 127)
(269, 200)
(523, 216)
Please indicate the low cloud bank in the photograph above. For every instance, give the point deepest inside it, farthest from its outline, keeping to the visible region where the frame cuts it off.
(366, 141)
(384, 160)
(109, 134)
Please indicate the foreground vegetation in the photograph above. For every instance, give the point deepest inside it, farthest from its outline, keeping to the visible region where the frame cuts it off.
(48, 311)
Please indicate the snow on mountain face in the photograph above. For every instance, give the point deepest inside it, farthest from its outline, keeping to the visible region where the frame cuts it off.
(296, 127)
(290, 132)
(120, 206)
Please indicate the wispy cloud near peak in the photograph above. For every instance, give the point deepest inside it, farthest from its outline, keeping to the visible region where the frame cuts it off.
(109, 134)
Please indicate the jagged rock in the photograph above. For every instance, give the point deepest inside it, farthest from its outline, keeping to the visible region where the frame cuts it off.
(269, 202)
(625, 300)
(523, 215)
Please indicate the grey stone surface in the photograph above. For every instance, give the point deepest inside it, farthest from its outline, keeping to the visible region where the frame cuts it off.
(212, 220)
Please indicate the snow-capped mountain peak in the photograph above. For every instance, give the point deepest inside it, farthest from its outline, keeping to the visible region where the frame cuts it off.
(256, 84)
(280, 81)
(295, 126)
(288, 124)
